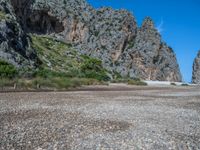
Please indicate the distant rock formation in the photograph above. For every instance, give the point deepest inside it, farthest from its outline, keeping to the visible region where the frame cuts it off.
(107, 34)
(153, 59)
(196, 70)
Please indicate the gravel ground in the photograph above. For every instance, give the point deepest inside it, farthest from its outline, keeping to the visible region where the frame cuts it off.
(114, 117)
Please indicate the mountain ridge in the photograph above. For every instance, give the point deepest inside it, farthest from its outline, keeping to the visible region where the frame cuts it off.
(112, 36)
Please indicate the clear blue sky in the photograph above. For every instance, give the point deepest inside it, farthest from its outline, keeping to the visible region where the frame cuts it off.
(178, 20)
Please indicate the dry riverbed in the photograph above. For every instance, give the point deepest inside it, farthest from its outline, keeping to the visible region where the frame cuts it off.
(102, 117)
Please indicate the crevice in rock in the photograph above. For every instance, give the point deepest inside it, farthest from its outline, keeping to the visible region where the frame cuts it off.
(124, 45)
(40, 22)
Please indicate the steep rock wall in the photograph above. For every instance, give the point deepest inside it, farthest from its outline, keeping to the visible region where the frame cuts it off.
(107, 34)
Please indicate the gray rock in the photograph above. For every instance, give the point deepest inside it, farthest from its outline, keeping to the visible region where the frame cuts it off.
(14, 43)
(107, 34)
(196, 70)
(151, 58)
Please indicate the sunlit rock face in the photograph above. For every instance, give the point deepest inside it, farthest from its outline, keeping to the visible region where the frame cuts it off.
(110, 35)
(196, 70)
(152, 58)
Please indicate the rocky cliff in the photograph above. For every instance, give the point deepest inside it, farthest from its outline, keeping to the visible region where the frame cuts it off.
(14, 43)
(110, 35)
(196, 70)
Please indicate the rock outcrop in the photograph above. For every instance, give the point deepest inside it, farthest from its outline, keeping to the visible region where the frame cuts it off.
(196, 70)
(107, 34)
(14, 43)
(152, 58)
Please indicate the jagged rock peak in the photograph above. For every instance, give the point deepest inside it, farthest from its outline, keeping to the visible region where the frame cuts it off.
(196, 70)
(148, 23)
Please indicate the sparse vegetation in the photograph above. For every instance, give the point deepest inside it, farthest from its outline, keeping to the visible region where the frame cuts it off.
(60, 59)
(131, 44)
(137, 82)
(5, 82)
(120, 80)
(92, 68)
(62, 83)
(55, 83)
(7, 70)
(96, 33)
(61, 68)
(46, 73)
(2, 15)
(54, 54)
(184, 84)
(174, 84)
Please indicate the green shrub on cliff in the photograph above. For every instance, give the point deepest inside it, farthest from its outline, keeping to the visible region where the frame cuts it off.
(7, 70)
(92, 68)
(60, 59)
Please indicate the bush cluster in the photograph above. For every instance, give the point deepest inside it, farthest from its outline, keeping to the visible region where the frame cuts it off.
(92, 68)
(54, 83)
(137, 82)
(7, 70)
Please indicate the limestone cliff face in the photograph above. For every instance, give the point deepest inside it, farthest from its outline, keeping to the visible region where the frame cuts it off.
(152, 58)
(111, 35)
(196, 70)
